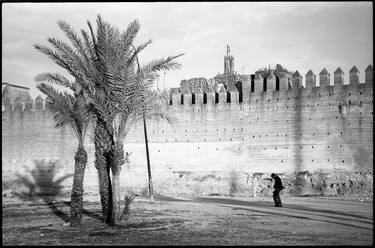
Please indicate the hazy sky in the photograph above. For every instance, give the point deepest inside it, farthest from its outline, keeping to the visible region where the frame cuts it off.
(300, 36)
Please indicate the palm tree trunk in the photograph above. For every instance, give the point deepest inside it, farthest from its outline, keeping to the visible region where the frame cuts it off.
(103, 143)
(77, 190)
(117, 162)
(115, 195)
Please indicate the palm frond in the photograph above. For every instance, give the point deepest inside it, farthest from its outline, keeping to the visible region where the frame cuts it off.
(60, 104)
(73, 37)
(129, 34)
(163, 64)
(89, 45)
(54, 78)
(70, 55)
(58, 59)
(124, 44)
(101, 49)
(66, 109)
(138, 50)
(93, 38)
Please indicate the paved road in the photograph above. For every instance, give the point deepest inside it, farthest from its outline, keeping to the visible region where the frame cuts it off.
(350, 213)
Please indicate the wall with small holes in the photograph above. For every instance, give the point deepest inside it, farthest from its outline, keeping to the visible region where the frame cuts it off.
(307, 129)
(300, 129)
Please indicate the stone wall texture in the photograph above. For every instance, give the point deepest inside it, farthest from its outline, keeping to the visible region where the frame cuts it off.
(320, 138)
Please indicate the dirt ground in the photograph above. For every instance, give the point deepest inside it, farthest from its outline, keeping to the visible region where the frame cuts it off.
(194, 221)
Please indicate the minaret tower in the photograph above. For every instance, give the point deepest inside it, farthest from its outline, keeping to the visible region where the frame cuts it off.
(228, 63)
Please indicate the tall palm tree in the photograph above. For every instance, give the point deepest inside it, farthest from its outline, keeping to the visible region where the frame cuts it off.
(68, 110)
(127, 94)
(86, 63)
(134, 98)
(103, 65)
(81, 62)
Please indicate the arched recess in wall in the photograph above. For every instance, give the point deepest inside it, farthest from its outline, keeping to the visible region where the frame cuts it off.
(265, 84)
(252, 82)
(216, 97)
(277, 83)
(239, 88)
(228, 96)
(192, 98)
(182, 98)
(204, 98)
(170, 99)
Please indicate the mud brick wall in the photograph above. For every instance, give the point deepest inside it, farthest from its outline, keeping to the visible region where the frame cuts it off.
(294, 130)
(327, 129)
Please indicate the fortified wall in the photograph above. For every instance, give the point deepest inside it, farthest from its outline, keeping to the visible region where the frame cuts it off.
(224, 141)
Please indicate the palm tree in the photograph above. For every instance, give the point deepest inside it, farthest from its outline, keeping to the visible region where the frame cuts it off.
(67, 110)
(128, 89)
(103, 66)
(81, 63)
(87, 62)
(126, 98)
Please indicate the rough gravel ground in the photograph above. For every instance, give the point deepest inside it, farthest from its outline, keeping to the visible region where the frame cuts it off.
(194, 221)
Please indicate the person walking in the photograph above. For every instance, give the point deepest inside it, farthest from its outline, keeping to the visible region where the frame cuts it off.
(278, 186)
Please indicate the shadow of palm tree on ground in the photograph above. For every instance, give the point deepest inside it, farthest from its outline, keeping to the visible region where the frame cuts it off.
(40, 183)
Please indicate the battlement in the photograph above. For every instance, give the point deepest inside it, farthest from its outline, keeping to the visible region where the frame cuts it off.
(262, 89)
(272, 87)
(22, 105)
(17, 98)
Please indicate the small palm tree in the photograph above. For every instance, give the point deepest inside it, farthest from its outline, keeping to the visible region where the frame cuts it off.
(67, 110)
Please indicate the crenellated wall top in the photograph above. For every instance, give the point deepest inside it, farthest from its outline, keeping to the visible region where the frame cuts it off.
(324, 72)
(354, 70)
(338, 71)
(297, 75)
(310, 73)
(271, 76)
(14, 99)
(23, 104)
(258, 82)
